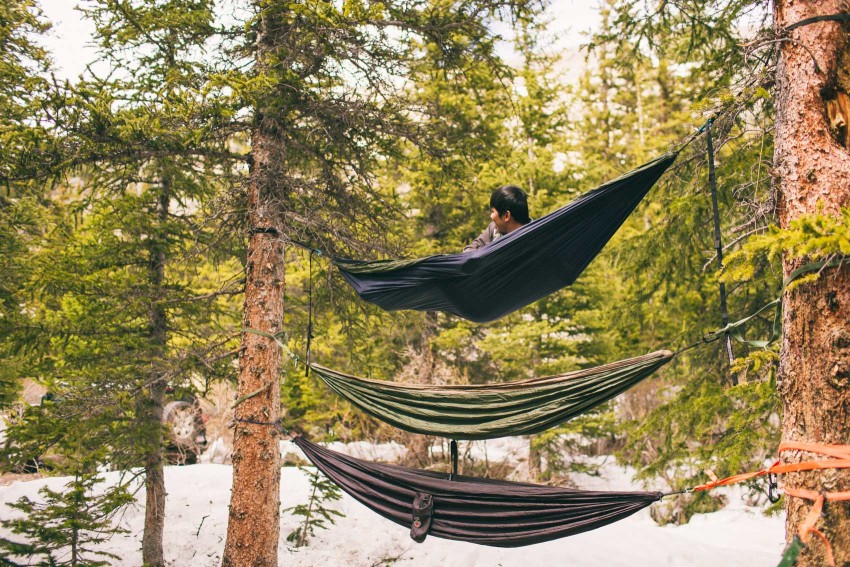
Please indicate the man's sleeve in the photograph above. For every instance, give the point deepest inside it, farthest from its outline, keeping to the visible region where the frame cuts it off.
(486, 237)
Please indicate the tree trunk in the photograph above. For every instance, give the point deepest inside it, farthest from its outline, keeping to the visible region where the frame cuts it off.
(535, 460)
(254, 524)
(152, 554)
(255, 500)
(813, 175)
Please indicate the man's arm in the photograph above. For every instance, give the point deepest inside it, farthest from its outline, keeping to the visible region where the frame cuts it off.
(486, 237)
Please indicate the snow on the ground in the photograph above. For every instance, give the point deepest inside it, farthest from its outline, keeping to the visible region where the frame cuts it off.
(385, 452)
(196, 526)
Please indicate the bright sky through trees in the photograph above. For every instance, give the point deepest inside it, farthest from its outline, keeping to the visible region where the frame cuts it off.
(68, 39)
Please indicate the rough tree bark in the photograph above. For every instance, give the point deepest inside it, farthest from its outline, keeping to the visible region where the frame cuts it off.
(812, 170)
(154, 397)
(253, 527)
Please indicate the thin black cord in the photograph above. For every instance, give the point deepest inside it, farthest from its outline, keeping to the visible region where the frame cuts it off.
(703, 341)
(278, 424)
(306, 247)
(685, 491)
(309, 316)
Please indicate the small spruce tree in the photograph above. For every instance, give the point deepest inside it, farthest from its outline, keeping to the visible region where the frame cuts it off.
(315, 512)
(67, 527)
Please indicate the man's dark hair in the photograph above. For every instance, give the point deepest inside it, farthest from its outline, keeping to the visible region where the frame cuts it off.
(511, 198)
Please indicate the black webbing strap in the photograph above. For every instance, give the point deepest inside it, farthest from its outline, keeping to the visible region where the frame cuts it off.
(832, 18)
(309, 317)
(453, 448)
(695, 135)
(263, 230)
(718, 244)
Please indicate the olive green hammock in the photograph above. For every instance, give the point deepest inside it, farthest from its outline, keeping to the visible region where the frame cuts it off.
(488, 411)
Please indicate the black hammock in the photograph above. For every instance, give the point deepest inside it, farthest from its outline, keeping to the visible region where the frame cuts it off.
(476, 510)
(486, 411)
(515, 270)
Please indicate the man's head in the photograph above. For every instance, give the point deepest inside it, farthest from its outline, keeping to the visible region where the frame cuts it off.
(509, 208)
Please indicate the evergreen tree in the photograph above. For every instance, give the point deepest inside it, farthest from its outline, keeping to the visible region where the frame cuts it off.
(23, 70)
(705, 421)
(124, 315)
(315, 512)
(66, 527)
(111, 359)
(696, 422)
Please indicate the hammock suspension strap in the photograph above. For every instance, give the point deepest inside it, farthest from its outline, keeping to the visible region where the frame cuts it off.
(796, 546)
(276, 424)
(453, 448)
(844, 18)
(263, 230)
(307, 247)
(309, 316)
(718, 245)
(840, 460)
(807, 528)
(277, 339)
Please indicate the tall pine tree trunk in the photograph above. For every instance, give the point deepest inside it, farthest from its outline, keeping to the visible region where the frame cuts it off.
(254, 524)
(154, 399)
(812, 170)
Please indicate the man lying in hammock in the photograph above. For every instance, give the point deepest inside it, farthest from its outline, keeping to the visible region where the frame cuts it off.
(508, 212)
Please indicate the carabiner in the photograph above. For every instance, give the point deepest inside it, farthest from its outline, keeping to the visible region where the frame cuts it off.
(773, 494)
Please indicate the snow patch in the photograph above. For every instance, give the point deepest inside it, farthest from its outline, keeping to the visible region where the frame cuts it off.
(198, 498)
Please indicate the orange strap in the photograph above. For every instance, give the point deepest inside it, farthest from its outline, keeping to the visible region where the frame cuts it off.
(808, 527)
(814, 515)
(841, 460)
(827, 551)
(837, 451)
(812, 495)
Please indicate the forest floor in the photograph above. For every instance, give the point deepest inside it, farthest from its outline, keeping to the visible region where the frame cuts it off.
(198, 497)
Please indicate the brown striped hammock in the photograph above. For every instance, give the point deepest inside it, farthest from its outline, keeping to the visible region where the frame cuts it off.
(477, 510)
